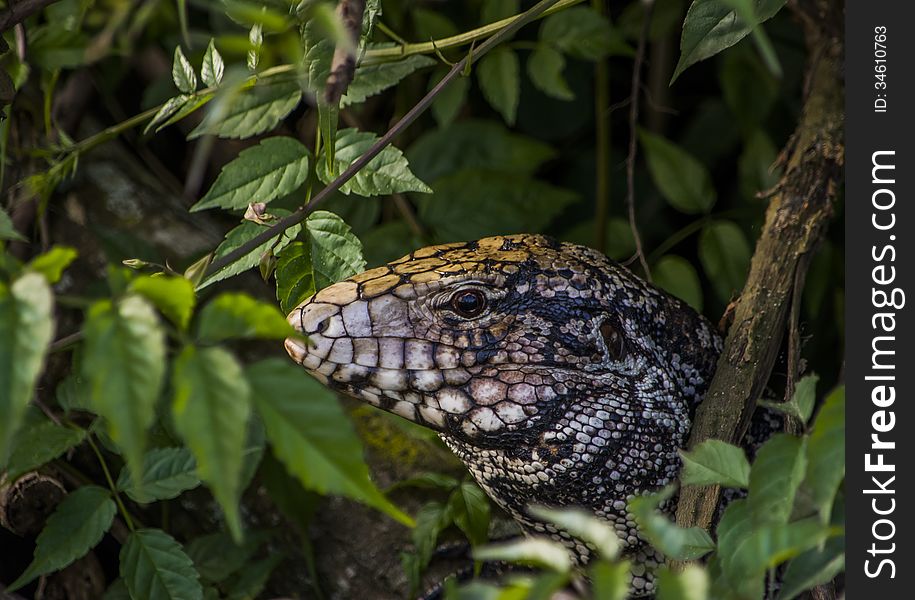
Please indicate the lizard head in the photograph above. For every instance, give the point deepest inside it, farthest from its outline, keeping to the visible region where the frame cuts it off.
(489, 341)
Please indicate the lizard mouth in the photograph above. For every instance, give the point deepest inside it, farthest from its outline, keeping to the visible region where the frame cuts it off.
(432, 384)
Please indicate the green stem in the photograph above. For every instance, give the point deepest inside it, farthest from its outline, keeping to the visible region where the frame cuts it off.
(111, 484)
(382, 54)
(390, 33)
(688, 230)
(676, 238)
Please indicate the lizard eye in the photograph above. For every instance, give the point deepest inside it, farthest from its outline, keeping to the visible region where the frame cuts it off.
(468, 303)
(614, 341)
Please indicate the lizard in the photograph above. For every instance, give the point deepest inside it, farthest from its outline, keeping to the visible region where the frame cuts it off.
(555, 374)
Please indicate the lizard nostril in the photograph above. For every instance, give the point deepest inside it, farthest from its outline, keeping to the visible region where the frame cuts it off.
(323, 325)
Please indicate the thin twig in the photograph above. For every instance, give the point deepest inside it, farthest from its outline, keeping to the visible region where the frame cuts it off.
(792, 425)
(343, 64)
(65, 342)
(20, 11)
(114, 488)
(633, 137)
(300, 215)
(406, 211)
(602, 145)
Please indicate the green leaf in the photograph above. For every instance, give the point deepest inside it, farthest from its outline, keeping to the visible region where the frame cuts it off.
(169, 108)
(683, 181)
(53, 47)
(183, 73)
(474, 143)
(335, 252)
(250, 582)
(52, 263)
(431, 519)
(274, 168)
(672, 540)
(470, 508)
(253, 111)
(801, 404)
(771, 544)
(777, 472)
(711, 26)
(26, 328)
(448, 103)
(255, 41)
(117, 591)
(189, 106)
(825, 452)
(173, 296)
(295, 276)
(370, 15)
(758, 168)
(76, 526)
(619, 240)
(373, 79)
(544, 67)
(124, 364)
(609, 580)
(471, 204)
(733, 530)
(387, 173)
(328, 119)
(715, 462)
(311, 435)
(239, 236)
(814, 567)
(213, 68)
(499, 75)
(676, 275)
(235, 315)
(689, 584)
(583, 525)
(39, 443)
(428, 481)
(725, 256)
(318, 52)
(155, 567)
(211, 413)
(216, 556)
(166, 473)
(538, 551)
(7, 231)
(748, 88)
(747, 14)
(432, 24)
(583, 33)
(496, 10)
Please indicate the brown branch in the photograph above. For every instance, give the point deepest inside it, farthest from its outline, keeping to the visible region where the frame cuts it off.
(634, 136)
(795, 223)
(20, 11)
(343, 65)
(405, 121)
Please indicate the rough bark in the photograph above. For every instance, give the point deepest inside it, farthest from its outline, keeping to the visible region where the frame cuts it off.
(796, 220)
